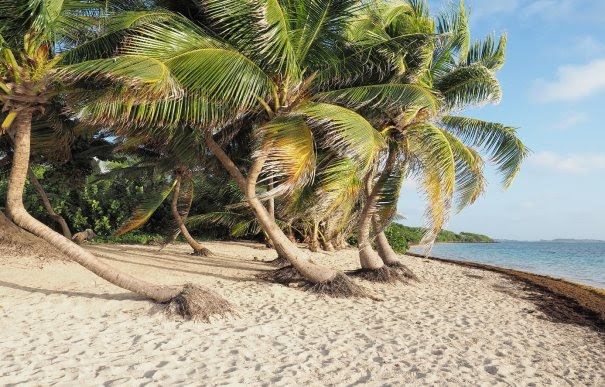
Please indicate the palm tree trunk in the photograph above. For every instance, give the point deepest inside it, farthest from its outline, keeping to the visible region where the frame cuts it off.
(17, 213)
(310, 271)
(49, 208)
(388, 255)
(385, 251)
(314, 238)
(328, 245)
(368, 257)
(271, 202)
(290, 233)
(198, 248)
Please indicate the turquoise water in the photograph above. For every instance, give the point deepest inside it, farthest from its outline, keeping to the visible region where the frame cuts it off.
(578, 262)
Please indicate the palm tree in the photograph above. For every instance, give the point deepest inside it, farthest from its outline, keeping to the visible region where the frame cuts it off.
(58, 143)
(37, 32)
(436, 147)
(171, 157)
(282, 71)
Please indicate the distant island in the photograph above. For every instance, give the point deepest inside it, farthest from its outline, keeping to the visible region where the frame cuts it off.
(558, 240)
(563, 240)
(401, 237)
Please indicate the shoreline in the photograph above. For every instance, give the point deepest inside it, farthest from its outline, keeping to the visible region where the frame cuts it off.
(588, 300)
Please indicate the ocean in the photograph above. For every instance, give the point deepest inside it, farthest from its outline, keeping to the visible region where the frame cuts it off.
(582, 262)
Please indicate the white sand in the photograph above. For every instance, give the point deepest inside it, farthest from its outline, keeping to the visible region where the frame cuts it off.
(62, 325)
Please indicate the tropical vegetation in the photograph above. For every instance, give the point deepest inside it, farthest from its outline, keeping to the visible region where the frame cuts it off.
(305, 117)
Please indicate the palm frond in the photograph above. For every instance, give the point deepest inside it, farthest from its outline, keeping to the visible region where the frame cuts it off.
(344, 132)
(500, 142)
(145, 209)
(110, 32)
(488, 54)
(144, 76)
(289, 145)
(385, 96)
(469, 85)
(224, 75)
(470, 182)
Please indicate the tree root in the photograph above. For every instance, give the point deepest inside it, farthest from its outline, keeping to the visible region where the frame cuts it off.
(284, 275)
(404, 270)
(341, 286)
(204, 252)
(279, 262)
(385, 274)
(197, 303)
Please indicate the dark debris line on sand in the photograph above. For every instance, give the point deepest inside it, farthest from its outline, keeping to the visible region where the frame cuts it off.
(561, 301)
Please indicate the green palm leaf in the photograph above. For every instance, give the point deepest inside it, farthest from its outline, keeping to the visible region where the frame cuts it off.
(145, 209)
(115, 29)
(488, 53)
(220, 74)
(470, 182)
(385, 96)
(289, 145)
(500, 142)
(146, 77)
(469, 85)
(344, 132)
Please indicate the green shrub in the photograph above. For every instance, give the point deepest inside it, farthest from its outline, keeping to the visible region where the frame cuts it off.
(132, 238)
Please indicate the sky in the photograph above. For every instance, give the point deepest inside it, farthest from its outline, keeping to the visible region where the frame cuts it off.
(554, 93)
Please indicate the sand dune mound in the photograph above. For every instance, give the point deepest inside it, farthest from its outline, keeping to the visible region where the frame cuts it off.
(27, 249)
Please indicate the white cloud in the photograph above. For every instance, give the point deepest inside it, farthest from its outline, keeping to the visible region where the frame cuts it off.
(548, 9)
(571, 120)
(572, 83)
(573, 163)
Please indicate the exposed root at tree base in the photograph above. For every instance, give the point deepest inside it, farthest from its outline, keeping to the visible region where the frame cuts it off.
(279, 262)
(202, 253)
(385, 274)
(198, 303)
(405, 271)
(340, 286)
(284, 275)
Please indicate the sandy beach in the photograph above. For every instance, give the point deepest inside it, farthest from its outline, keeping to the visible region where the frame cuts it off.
(61, 325)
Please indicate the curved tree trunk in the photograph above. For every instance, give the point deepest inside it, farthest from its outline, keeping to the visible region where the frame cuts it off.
(17, 213)
(271, 210)
(388, 255)
(385, 251)
(198, 248)
(49, 208)
(312, 272)
(368, 257)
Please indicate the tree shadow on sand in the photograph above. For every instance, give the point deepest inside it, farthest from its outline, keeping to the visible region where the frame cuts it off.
(182, 270)
(70, 293)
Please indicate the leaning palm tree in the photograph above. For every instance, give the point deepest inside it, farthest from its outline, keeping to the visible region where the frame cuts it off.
(32, 74)
(172, 158)
(282, 71)
(439, 149)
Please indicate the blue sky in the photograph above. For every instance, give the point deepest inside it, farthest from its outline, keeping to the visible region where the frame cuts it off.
(554, 92)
